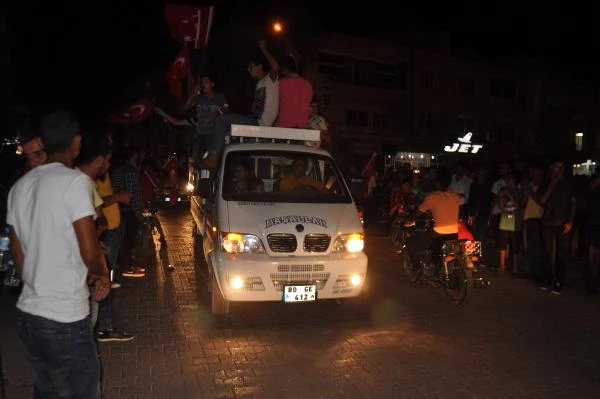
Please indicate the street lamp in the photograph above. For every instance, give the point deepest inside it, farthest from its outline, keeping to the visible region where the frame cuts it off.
(578, 141)
(277, 27)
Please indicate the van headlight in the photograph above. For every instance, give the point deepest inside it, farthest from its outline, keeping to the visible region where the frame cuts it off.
(349, 243)
(236, 243)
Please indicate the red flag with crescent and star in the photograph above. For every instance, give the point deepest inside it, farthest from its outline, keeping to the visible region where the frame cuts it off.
(179, 69)
(133, 114)
(170, 166)
(189, 24)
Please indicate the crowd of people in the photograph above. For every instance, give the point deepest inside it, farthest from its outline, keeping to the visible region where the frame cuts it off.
(75, 216)
(531, 219)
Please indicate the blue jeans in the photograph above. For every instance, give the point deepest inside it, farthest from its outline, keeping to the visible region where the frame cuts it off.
(223, 125)
(112, 240)
(104, 315)
(63, 357)
(555, 256)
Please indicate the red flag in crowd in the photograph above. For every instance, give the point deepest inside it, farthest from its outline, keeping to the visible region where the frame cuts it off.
(170, 166)
(133, 114)
(189, 24)
(179, 69)
(370, 167)
(464, 233)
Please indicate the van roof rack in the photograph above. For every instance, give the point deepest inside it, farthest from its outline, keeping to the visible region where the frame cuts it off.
(274, 133)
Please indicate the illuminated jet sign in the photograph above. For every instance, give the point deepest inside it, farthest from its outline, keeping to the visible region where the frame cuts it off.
(464, 145)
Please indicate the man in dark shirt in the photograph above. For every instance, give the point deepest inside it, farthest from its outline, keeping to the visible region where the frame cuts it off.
(478, 207)
(559, 204)
(208, 105)
(127, 178)
(592, 270)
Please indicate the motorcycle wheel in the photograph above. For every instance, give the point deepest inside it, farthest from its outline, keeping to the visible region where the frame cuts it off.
(458, 286)
(398, 242)
(411, 271)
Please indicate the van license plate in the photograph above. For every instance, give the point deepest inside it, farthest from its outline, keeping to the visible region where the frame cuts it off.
(299, 293)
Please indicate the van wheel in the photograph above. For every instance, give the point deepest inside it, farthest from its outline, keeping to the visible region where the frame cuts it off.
(219, 305)
(198, 250)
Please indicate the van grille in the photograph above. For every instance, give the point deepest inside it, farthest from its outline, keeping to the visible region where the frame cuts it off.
(316, 242)
(282, 242)
(300, 268)
(281, 279)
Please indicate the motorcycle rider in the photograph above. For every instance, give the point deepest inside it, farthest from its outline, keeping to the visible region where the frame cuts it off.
(444, 207)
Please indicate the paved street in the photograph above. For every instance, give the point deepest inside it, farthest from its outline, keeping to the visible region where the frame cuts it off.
(395, 341)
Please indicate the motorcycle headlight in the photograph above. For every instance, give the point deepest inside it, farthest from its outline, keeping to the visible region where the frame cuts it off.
(349, 243)
(236, 243)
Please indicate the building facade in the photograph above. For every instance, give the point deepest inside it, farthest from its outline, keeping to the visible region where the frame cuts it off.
(390, 98)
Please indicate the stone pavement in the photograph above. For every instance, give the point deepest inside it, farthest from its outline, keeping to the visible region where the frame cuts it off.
(395, 341)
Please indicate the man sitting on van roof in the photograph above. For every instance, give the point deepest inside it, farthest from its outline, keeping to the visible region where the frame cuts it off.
(299, 178)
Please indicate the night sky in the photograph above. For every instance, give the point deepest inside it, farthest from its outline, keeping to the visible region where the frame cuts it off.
(84, 55)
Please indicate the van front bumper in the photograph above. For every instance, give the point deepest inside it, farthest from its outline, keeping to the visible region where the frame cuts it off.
(264, 276)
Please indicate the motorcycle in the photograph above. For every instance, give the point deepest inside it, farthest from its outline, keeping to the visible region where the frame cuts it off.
(10, 163)
(450, 270)
(8, 270)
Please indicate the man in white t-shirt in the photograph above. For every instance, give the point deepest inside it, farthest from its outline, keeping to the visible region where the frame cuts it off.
(57, 254)
(265, 69)
(461, 185)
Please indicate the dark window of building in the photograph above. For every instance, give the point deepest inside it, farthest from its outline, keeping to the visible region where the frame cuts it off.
(376, 120)
(503, 132)
(509, 132)
(378, 74)
(426, 120)
(387, 75)
(464, 124)
(336, 67)
(466, 86)
(427, 79)
(357, 118)
(502, 89)
(380, 121)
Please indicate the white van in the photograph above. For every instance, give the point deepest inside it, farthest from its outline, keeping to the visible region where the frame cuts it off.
(277, 221)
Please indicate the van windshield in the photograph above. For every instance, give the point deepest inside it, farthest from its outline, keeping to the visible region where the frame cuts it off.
(282, 176)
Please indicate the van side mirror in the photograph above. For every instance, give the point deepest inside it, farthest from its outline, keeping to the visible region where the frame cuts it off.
(204, 188)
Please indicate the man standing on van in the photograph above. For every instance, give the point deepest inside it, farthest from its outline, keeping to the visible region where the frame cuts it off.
(57, 253)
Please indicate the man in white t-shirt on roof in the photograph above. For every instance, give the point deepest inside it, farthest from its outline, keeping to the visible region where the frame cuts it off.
(57, 254)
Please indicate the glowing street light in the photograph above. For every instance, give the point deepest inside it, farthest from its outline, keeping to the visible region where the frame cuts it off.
(277, 27)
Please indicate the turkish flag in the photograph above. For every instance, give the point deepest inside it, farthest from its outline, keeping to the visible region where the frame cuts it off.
(370, 167)
(179, 69)
(133, 114)
(463, 231)
(189, 24)
(170, 166)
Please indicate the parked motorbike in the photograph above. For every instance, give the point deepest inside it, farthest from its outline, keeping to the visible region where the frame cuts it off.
(8, 270)
(450, 270)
